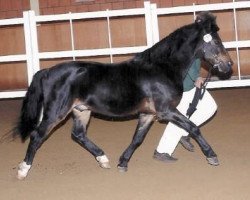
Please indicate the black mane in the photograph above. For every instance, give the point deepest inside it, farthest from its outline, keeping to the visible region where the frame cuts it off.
(182, 42)
(165, 51)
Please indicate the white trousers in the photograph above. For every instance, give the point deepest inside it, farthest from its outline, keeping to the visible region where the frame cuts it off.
(172, 134)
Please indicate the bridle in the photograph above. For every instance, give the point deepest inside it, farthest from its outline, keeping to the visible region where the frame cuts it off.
(199, 92)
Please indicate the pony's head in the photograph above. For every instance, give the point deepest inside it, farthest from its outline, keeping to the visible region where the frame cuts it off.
(211, 48)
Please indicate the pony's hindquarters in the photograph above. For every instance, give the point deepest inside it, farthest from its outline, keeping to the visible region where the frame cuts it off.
(55, 97)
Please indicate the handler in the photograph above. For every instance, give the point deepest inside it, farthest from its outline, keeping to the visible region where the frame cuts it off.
(205, 109)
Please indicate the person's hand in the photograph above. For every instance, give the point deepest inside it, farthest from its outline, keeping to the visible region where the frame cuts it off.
(199, 81)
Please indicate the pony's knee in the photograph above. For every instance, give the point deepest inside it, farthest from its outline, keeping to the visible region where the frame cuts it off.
(77, 135)
(76, 130)
(194, 131)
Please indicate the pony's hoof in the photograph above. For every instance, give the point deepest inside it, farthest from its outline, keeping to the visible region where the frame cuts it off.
(185, 142)
(105, 165)
(103, 161)
(213, 161)
(122, 169)
(20, 176)
(23, 170)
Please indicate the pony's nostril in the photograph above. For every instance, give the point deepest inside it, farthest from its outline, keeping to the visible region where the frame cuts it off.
(230, 63)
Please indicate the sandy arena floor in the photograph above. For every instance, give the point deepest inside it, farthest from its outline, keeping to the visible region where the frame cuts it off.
(62, 170)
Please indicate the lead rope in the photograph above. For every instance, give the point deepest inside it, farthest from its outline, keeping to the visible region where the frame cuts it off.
(198, 95)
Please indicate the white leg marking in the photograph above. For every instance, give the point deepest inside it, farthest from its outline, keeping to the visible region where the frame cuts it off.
(23, 170)
(103, 161)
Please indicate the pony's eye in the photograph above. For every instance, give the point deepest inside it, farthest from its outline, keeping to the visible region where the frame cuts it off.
(216, 42)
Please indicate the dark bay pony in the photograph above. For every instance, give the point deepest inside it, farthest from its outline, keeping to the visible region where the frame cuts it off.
(148, 87)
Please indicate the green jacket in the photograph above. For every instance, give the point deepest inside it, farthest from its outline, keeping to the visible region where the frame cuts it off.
(192, 75)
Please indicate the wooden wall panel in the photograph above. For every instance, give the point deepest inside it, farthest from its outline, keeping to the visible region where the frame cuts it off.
(106, 59)
(243, 23)
(169, 23)
(226, 24)
(13, 76)
(128, 32)
(102, 59)
(54, 36)
(245, 61)
(91, 34)
(12, 40)
(121, 58)
(44, 64)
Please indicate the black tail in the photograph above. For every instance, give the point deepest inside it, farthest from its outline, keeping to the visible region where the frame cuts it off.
(31, 108)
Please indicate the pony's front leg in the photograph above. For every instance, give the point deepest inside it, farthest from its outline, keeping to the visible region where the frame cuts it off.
(180, 120)
(144, 124)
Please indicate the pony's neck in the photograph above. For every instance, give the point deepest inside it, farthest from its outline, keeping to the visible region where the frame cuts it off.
(177, 51)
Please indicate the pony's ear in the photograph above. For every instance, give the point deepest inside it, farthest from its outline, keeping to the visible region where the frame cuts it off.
(198, 20)
(207, 21)
(204, 16)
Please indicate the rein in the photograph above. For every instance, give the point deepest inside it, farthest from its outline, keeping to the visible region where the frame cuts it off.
(198, 95)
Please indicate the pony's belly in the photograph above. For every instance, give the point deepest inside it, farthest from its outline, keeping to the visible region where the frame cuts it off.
(116, 110)
(122, 109)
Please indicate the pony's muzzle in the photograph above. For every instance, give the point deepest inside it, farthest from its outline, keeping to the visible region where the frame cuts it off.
(224, 67)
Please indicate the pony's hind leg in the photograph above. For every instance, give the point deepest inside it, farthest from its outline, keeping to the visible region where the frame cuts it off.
(40, 134)
(81, 120)
(144, 124)
(36, 139)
